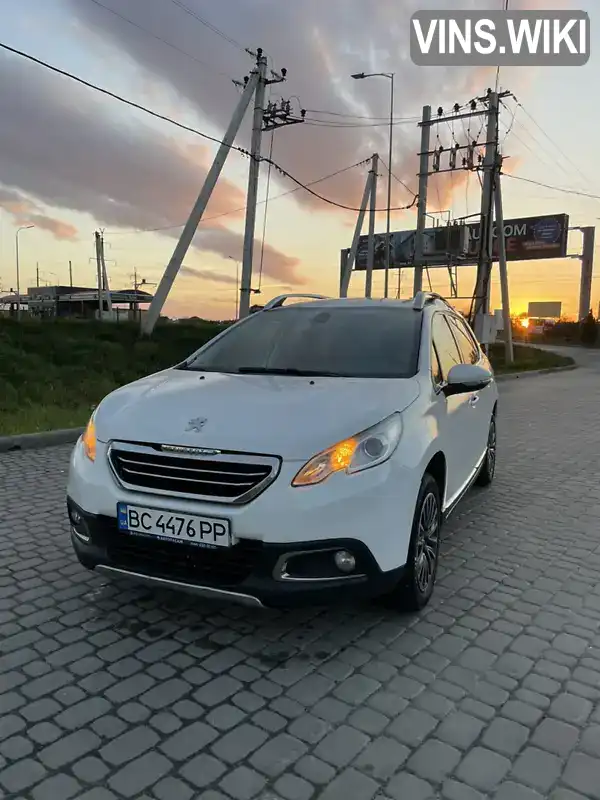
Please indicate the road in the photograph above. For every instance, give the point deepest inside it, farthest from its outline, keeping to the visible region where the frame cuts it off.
(112, 691)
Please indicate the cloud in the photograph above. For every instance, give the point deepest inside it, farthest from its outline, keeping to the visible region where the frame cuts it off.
(208, 275)
(65, 146)
(25, 212)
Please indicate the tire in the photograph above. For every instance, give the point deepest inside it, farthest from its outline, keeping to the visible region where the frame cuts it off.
(488, 468)
(416, 588)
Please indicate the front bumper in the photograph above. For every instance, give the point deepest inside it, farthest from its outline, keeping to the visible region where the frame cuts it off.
(250, 572)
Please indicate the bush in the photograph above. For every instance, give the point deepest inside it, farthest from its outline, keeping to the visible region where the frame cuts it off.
(589, 331)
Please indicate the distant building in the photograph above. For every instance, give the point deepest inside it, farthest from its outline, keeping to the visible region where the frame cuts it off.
(74, 301)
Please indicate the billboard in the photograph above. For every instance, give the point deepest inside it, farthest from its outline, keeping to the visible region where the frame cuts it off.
(527, 238)
(550, 309)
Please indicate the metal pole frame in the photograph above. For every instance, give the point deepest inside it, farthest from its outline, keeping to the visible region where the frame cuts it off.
(388, 259)
(351, 256)
(371, 240)
(422, 200)
(503, 267)
(199, 208)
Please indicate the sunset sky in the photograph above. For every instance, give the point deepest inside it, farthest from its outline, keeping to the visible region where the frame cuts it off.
(73, 160)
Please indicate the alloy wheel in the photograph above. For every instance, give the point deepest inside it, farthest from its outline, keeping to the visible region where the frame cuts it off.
(426, 552)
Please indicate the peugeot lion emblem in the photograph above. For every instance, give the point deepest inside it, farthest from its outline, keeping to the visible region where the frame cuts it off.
(196, 425)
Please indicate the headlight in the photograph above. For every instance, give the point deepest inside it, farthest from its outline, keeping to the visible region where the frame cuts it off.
(89, 440)
(359, 452)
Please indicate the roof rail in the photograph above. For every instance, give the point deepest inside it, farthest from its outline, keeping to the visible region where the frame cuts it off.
(421, 299)
(277, 302)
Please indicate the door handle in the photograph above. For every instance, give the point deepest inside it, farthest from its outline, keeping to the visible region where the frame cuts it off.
(474, 399)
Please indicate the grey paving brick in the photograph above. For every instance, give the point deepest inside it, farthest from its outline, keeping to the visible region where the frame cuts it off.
(350, 783)
(368, 721)
(138, 775)
(129, 745)
(412, 726)
(315, 770)
(68, 749)
(505, 736)
(171, 788)
(405, 785)
(434, 761)
(555, 737)
(188, 741)
(571, 708)
(243, 783)
(460, 730)
(291, 787)
(515, 791)
(522, 713)
(582, 773)
(203, 770)
(455, 790)
(57, 786)
(537, 768)
(15, 748)
(90, 770)
(236, 745)
(217, 691)
(382, 758)
(341, 746)
(277, 754)
(483, 769)
(20, 776)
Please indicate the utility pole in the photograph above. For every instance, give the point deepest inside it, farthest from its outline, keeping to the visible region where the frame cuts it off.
(486, 229)
(502, 263)
(71, 273)
(422, 199)
(98, 241)
(371, 239)
(349, 259)
(199, 208)
(253, 174)
(37, 274)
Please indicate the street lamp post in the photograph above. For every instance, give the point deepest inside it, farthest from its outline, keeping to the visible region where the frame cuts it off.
(22, 228)
(388, 250)
(237, 286)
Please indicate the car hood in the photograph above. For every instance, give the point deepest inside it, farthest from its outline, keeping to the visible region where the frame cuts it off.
(292, 417)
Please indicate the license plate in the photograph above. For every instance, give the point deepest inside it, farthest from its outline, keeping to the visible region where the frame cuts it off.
(173, 526)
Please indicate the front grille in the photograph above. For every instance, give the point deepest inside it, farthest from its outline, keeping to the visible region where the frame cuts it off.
(222, 567)
(224, 479)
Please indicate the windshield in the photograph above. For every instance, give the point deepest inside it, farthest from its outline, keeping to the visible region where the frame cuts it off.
(358, 342)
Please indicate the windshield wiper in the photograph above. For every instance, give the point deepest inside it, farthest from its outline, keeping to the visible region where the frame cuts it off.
(308, 373)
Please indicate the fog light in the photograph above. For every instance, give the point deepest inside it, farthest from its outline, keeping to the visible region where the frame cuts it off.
(75, 516)
(344, 561)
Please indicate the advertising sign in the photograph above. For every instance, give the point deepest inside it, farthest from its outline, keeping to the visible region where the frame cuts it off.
(550, 309)
(527, 238)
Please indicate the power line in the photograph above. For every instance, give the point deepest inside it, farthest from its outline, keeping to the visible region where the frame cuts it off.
(333, 202)
(358, 116)
(188, 128)
(243, 208)
(209, 25)
(551, 140)
(159, 38)
(329, 124)
(396, 178)
(118, 97)
(549, 186)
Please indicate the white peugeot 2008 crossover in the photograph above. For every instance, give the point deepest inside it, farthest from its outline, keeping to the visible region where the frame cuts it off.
(309, 452)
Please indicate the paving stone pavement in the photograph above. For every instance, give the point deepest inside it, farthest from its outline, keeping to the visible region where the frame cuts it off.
(111, 691)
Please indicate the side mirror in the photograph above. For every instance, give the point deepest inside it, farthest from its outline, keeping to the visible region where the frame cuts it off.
(464, 378)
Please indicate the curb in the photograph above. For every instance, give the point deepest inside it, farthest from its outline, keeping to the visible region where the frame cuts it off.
(35, 441)
(534, 373)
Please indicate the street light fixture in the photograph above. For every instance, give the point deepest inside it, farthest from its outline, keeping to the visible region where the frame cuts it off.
(359, 76)
(22, 228)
